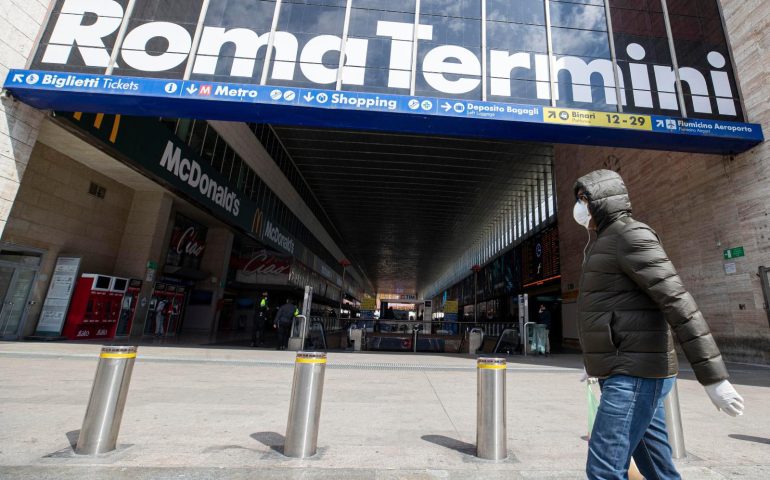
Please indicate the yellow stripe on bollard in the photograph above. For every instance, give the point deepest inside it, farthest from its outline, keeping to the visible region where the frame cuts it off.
(311, 360)
(117, 355)
(491, 367)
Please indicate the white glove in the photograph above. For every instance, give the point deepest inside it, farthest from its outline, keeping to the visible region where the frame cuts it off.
(725, 398)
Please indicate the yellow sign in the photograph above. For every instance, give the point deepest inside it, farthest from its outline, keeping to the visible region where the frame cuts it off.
(369, 304)
(450, 306)
(587, 118)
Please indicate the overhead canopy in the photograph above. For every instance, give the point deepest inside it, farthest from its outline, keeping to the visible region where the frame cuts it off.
(406, 205)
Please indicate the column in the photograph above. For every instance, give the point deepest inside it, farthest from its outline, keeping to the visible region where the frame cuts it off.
(144, 240)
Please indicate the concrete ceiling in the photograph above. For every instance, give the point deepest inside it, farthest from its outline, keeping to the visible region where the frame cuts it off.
(408, 206)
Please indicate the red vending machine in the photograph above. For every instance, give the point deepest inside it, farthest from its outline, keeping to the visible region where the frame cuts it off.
(95, 307)
(177, 298)
(174, 299)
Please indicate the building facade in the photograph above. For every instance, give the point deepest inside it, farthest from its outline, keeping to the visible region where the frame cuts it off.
(110, 168)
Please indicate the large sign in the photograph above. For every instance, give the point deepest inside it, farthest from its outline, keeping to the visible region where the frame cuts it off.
(218, 59)
(171, 43)
(350, 109)
(159, 152)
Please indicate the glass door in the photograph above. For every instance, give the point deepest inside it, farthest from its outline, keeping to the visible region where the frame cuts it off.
(15, 287)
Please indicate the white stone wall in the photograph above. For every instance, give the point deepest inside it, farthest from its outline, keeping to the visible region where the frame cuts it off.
(20, 22)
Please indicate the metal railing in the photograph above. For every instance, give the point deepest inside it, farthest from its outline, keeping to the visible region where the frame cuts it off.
(332, 324)
(317, 336)
(491, 329)
(509, 339)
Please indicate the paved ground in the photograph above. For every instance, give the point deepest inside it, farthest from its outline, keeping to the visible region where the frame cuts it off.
(221, 413)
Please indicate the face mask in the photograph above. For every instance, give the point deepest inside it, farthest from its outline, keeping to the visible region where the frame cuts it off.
(581, 214)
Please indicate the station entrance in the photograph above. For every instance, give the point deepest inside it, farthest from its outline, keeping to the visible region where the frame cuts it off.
(204, 156)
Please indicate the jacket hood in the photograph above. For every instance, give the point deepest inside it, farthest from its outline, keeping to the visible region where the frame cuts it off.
(607, 197)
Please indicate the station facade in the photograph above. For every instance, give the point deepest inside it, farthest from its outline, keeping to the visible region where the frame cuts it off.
(139, 145)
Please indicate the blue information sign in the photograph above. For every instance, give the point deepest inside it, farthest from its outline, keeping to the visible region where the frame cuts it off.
(300, 106)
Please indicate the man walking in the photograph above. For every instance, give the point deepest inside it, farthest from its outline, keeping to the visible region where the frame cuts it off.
(283, 320)
(631, 299)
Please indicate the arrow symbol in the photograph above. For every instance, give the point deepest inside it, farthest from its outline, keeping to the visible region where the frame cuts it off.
(192, 89)
(18, 78)
(308, 97)
(446, 106)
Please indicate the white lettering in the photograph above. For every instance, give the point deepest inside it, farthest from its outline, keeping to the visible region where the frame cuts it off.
(190, 172)
(400, 75)
(311, 61)
(171, 158)
(666, 82)
(135, 47)
(435, 67)
(501, 67)
(721, 82)
(699, 90)
(70, 31)
(449, 69)
(184, 165)
(247, 44)
(274, 234)
(581, 73)
(640, 77)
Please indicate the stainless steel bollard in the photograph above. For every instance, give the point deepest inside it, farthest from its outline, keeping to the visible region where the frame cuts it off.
(674, 424)
(305, 409)
(491, 434)
(101, 424)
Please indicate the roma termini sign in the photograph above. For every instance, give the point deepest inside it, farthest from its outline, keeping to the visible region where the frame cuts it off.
(177, 58)
(79, 36)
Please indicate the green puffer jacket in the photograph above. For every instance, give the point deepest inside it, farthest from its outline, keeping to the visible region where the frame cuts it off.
(631, 297)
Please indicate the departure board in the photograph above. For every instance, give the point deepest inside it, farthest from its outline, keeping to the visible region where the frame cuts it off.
(540, 256)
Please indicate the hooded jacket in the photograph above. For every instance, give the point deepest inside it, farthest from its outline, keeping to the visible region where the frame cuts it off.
(631, 297)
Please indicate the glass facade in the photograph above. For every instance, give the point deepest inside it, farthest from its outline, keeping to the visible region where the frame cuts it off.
(277, 151)
(641, 56)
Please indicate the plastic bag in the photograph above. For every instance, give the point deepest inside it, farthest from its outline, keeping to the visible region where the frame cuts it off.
(593, 406)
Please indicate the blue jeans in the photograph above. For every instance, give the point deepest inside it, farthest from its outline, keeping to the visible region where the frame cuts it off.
(631, 422)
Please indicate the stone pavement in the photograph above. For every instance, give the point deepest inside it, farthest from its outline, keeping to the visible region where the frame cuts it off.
(198, 413)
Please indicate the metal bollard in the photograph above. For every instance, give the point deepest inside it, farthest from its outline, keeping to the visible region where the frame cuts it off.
(674, 423)
(415, 338)
(101, 424)
(305, 409)
(491, 439)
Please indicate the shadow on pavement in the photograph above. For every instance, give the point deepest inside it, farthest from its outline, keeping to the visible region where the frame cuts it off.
(272, 440)
(749, 438)
(747, 375)
(72, 437)
(452, 444)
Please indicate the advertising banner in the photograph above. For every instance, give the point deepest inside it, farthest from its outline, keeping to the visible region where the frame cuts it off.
(188, 242)
(262, 267)
(162, 154)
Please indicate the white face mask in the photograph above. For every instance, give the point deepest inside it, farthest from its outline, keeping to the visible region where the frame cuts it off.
(581, 214)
